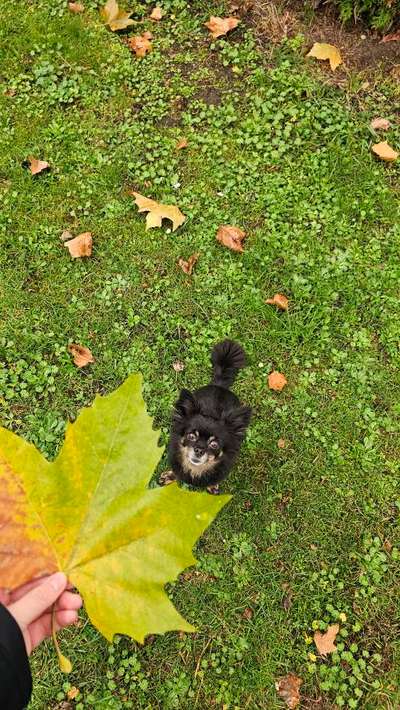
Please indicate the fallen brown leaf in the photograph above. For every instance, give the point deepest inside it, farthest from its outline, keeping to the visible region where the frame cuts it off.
(66, 235)
(387, 546)
(181, 144)
(231, 237)
(73, 692)
(219, 26)
(140, 44)
(326, 51)
(157, 14)
(157, 212)
(187, 266)
(384, 151)
(80, 354)
(80, 245)
(279, 300)
(325, 643)
(76, 7)
(288, 689)
(276, 381)
(281, 443)
(287, 599)
(393, 37)
(247, 613)
(36, 166)
(115, 18)
(178, 366)
(380, 124)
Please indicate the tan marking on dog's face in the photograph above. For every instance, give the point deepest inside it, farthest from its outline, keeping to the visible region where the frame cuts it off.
(195, 471)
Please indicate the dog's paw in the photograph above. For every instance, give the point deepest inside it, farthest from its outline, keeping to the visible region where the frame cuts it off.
(213, 490)
(166, 478)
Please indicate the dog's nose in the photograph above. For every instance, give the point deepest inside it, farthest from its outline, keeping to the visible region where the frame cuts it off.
(198, 452)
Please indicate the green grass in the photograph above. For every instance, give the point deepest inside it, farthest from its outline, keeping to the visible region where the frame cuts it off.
(276, 150)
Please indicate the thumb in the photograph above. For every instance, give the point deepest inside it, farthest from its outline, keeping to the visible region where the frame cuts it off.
(33, 604)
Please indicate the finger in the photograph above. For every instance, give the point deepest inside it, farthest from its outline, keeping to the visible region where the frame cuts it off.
(69, 600)
(32, 605)
(42, 628)
(19, 592)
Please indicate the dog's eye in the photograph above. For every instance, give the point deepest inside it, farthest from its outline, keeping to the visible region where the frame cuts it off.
(191, 436)
(214, 445)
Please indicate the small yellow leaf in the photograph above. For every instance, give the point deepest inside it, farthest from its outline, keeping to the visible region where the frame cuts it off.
(157, 212)
(385, 151)
(281, 443)
(219, 26)
(115, 18)
(326, 51)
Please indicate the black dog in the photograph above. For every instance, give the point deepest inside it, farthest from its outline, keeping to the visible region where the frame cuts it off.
(209, 424)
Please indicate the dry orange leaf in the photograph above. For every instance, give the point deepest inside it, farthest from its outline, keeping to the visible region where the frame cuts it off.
(80, 354)
(393, 37)
(157, 212)
(219, 26)
(326, 51)
(231, 237)
(73, 693)
(80, 245)
(181, 144)
(115, 18)
(325, 643)
(276, 381)
(279, 300)
(140, 44)
(380, 124)
(187, 266)
(281, 443)
(288, 689)
(76, 7)
(36, 166)
(157, 13)
(385, 151)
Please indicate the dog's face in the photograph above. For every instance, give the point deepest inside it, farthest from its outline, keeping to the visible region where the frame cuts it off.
(204, 445)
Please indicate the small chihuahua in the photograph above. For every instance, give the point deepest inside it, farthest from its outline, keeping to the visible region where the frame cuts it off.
(209, 424)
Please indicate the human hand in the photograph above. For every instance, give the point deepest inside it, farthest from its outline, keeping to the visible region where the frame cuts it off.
(31, 606)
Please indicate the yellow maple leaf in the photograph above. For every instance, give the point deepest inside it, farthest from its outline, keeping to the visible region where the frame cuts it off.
(115, 18)
(157, 212)
(320, 50)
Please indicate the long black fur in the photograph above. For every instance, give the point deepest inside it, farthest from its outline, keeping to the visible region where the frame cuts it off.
(212, 411)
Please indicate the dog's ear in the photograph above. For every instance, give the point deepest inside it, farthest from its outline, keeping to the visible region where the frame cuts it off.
(185, 406)
(238, 419)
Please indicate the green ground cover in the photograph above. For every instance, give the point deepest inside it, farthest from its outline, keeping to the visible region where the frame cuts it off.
(276, 149)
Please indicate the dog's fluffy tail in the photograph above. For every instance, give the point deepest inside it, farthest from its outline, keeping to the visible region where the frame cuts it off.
(227, 358)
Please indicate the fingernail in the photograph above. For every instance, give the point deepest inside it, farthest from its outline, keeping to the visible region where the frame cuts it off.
(58, 581)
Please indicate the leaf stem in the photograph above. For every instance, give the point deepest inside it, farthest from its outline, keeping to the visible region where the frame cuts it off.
(64, 663)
